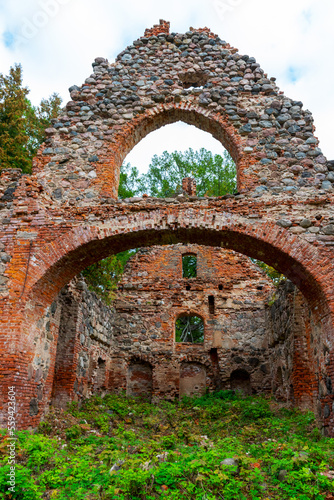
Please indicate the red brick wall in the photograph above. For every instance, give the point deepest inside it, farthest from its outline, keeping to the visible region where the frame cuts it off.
(153, 294)
(162, 27)
(131, 346)
(248, 345)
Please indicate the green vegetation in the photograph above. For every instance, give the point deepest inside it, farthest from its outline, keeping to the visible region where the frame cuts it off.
(274, 275)
(119, 448)
(215, 175)
(189, 266)
(103, 276)
(21, 124)
(189, 329)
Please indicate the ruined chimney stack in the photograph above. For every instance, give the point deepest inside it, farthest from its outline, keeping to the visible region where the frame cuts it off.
(162, 27)
(189, 186)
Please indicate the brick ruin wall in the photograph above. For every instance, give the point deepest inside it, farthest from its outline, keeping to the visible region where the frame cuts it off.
(154, 294)
(130, 346)
(73, 340)
(66, 216)
(258, 338)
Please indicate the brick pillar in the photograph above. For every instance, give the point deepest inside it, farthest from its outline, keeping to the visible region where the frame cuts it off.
(162, 27)
(189, 186)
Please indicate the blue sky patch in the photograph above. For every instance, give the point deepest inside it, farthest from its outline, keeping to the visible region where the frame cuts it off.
(8, 39)
(307, 15)
(293, 73)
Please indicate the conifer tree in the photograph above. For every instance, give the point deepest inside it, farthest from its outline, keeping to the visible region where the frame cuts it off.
(14, 139)
(21, 124)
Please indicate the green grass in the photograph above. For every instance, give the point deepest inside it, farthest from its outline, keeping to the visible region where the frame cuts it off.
(121, 448)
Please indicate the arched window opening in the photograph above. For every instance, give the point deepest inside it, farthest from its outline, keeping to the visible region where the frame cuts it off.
(157, 165)
(140, 380)
(189, 266)
(240, 381)
(175, 136)
(189, 328)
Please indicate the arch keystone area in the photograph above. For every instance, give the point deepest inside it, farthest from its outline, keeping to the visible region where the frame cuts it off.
(65, 215)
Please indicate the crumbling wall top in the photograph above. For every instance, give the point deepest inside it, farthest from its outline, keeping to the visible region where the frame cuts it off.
(193, 77)
(162, 27)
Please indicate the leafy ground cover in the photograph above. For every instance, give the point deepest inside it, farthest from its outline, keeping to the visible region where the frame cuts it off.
(219, 446)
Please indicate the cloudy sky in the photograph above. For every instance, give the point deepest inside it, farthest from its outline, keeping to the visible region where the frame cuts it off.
(57, 40)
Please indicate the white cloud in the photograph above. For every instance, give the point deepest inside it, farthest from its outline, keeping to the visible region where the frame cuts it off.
(287, 35)
(175, 137)
(281, 35)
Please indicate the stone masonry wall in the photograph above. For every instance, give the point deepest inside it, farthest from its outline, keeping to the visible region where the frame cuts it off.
(297, 350)
(163, 77)
(73, 360)
(73, 342)
(9, 179)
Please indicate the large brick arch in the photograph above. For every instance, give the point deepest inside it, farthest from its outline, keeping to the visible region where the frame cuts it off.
(59, 261)
(132, 133)
(53, 264)
(65, 215)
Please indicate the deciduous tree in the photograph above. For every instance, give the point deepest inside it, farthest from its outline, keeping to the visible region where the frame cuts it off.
(215, 175)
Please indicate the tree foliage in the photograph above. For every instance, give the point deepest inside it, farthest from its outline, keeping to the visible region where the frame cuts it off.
(41, 119)
(215, 175)
(21, 124)
(189, 329)
(13, 108)
(189, 266)
(129, 181)
(271, 272)
(103, 276)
